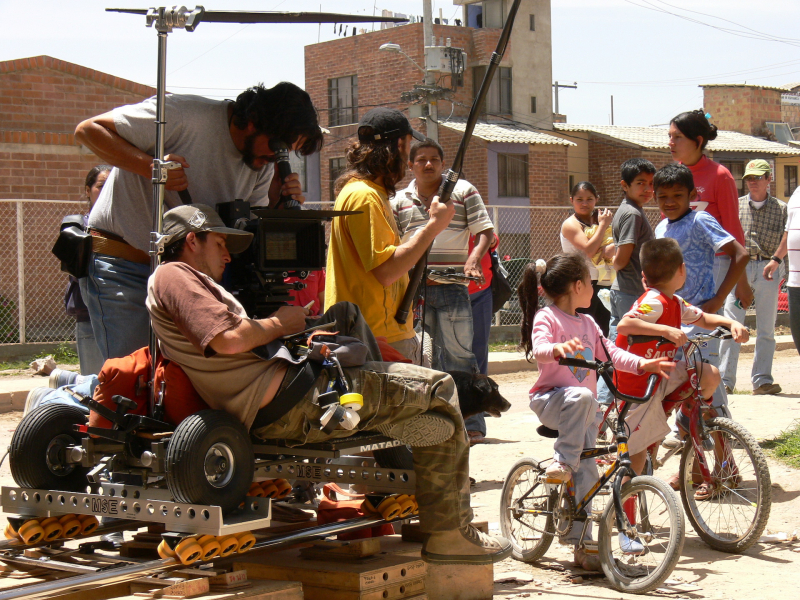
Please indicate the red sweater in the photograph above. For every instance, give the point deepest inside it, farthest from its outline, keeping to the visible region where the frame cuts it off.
(718, 195)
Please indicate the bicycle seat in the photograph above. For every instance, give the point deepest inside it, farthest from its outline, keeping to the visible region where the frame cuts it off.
(546, 432)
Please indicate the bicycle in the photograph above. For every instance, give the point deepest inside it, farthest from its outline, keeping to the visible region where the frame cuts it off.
(534, 509)
(735, 514)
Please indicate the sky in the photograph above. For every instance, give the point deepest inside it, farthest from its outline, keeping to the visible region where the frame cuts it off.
(649, 54)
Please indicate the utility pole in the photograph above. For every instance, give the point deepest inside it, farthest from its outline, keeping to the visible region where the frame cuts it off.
(612, 109)
(557, 85)
(430, 79)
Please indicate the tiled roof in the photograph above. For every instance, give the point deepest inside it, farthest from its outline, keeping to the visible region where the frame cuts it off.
(656, 138)
(743, 85)
(506, 132)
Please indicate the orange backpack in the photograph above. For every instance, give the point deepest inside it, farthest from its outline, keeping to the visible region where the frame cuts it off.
(129, 377)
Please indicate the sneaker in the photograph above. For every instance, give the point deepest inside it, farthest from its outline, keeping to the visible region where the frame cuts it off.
(767, 389)
(728, 390)
(630, 546)
(426, 429)
(60, 378)
(476, 437)
(559, 471)
(467, 545)
(35, 396)
(673, 440)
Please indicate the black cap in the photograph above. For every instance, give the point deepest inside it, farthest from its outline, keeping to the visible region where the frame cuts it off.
(386, 124)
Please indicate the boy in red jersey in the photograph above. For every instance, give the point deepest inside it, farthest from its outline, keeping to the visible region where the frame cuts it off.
(660, 312)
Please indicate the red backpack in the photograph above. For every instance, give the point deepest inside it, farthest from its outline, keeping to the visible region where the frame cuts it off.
(128, 377)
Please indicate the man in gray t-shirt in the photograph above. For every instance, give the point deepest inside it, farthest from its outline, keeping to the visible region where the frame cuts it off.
(223, 149)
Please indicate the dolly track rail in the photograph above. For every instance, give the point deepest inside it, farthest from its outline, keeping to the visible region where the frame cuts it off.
(53, 589)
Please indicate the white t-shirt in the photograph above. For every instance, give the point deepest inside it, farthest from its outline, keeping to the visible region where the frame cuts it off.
(197, 129)
(793, 239)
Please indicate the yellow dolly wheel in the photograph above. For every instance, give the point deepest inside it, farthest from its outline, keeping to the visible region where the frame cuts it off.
(389, 508)
(406, 505)
(10, 532)
(228, 545)
(246, 541)
(164, 551)
(368, 507)
(256, 491)
(188, 551)
(52, 529)
(70, 525)
(416, 504)
(269, 487)
(284, 487)
(88, 524)
(31, 532)
(210, 546)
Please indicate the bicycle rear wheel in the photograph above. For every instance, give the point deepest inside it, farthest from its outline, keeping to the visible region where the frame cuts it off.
(735, 515)
(660, 529)
(526, 510)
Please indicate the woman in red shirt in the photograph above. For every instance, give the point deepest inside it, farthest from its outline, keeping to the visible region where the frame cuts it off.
(717, 192)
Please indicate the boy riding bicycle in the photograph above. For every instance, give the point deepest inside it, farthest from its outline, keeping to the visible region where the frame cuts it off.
(660, 312)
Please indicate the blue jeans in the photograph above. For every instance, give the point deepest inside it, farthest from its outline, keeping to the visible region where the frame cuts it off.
(88, 353)
(114, 292)
(621, 302)
(481, 326)
(448, 320)
(709, 350)
(766, 305)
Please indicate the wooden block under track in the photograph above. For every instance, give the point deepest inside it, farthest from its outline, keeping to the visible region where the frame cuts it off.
(380, 572)
(460, 582)
(397, 591)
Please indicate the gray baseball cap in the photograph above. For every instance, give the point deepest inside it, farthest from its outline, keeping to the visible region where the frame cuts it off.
(183, 220)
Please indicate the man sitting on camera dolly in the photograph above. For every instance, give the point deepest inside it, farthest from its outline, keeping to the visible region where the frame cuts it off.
(205, 330)
(222, 150)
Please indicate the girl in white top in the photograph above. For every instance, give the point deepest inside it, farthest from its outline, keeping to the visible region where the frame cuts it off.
(573, 237)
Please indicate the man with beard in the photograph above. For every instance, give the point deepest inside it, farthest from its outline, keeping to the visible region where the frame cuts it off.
(222, 148)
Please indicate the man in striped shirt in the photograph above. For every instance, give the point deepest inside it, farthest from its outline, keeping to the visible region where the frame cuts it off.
(448, 312)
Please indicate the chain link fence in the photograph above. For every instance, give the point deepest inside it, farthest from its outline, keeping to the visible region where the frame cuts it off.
(32, 285)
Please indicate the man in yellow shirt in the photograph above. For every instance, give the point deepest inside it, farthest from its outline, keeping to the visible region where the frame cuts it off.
(367, 264)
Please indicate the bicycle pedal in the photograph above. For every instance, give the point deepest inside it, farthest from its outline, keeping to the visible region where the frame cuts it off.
(590, 547)
(550, 480)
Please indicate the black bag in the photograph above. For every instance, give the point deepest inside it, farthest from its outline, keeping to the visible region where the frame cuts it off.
(73, 246)
(501, 289)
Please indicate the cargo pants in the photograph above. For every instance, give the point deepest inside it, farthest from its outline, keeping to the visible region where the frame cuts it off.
(393, 393)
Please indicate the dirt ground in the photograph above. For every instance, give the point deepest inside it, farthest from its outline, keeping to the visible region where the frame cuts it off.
(766, 570)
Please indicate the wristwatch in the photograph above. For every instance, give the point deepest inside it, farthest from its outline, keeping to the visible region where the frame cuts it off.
(776, 259)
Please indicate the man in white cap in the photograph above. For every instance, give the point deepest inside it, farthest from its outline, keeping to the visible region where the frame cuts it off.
(763, 219)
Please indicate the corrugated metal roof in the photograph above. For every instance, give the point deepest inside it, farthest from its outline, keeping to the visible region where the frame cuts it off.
(507, 132)
(656, 138)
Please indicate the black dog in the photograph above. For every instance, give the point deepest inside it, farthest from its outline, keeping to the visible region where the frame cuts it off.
(478, 393)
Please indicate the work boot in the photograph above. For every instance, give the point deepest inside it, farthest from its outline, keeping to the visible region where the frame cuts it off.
(467, 545)
(767, 389)
(34, 397)
(60, 378)
(426, 429)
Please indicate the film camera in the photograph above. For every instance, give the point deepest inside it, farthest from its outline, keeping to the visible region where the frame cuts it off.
(286, 243)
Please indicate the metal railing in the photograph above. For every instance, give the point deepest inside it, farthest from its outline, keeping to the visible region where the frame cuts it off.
(32, 285)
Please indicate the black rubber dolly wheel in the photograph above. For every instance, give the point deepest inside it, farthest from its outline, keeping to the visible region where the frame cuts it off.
(38, 453)
(210, 460)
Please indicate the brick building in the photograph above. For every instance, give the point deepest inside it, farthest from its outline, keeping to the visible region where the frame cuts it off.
(42, 99)
(346, 77)
(602, 149)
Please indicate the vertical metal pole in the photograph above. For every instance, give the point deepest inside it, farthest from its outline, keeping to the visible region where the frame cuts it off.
(612, 110)
(21, 271)
(159, 187)
(555, 86)
(427, 40)
(497, 231)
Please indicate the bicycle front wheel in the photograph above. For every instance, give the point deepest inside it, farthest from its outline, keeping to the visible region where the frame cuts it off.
(526, 510)
(730, 514)
(659, 534)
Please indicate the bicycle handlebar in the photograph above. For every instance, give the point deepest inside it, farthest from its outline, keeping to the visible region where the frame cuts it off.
(720, 332)
(603, 370)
